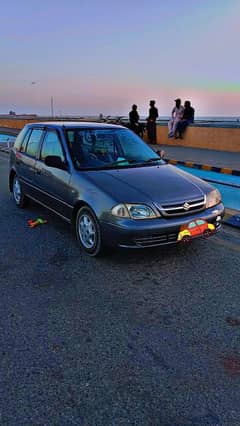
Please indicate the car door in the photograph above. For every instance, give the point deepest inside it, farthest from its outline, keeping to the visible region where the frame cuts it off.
(53, 183)
(26, 159)
(202, 224)
(194, 229)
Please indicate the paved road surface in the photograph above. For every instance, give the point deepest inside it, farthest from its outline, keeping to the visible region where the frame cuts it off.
(137, 338)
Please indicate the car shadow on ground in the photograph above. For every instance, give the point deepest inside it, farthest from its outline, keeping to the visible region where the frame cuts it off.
(115, 255)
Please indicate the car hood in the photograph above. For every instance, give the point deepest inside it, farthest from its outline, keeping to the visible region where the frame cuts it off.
(157, 184)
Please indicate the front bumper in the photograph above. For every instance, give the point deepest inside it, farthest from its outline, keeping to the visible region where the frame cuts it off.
(132, 233)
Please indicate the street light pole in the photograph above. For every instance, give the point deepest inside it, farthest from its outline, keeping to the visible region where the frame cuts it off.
(52, 111)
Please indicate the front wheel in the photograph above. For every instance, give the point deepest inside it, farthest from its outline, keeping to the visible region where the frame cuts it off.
(207, 233)
(88, 232)
(18, 195)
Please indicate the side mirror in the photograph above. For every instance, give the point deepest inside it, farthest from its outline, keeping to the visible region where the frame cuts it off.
(54, 161)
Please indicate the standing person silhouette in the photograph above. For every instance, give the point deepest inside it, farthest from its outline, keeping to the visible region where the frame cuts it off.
(151, 123)
(134, 119)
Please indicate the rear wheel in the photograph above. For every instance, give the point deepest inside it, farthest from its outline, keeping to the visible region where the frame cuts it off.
(88, 232)
(18, 194)
(186, 239)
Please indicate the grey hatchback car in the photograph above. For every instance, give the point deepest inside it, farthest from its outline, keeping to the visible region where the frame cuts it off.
(109, 184)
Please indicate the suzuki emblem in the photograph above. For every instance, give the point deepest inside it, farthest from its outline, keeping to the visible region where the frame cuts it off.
(186, 206)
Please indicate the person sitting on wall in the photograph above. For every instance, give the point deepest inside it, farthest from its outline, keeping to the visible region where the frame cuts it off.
(134, 119)
(177, 115)
(188, 118)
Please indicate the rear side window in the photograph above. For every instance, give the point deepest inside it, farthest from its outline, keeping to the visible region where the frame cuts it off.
(20, 138)
(33, 142)
(51, 146)
(25, 141)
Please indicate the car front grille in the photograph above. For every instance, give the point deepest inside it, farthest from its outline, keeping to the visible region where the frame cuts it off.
(155, 240)
(183, 208)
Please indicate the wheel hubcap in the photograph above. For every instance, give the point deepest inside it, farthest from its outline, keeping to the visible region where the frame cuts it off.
(17, 190)
(87, 231)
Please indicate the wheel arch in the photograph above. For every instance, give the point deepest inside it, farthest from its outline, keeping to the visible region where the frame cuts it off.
(78, 206)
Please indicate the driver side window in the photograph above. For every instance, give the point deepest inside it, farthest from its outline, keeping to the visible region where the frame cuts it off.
(51, 146)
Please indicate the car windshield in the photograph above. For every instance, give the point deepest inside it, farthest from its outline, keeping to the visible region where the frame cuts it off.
(109, 148)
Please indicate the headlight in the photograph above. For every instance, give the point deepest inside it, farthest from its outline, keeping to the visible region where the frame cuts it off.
(134, 211)
(213, 198)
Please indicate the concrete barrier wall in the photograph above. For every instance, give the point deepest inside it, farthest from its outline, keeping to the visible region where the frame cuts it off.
(215, 137)
(18, 123)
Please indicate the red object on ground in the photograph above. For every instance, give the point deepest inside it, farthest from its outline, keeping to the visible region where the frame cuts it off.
(33, 223)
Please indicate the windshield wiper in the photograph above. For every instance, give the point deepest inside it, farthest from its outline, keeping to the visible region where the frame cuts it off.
(152, 160)
(129, 163)
(117, 162)
(108, 165)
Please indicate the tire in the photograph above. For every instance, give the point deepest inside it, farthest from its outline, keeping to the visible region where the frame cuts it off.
(18, 194)
(88, 232)
(207, 233)
(186, 239)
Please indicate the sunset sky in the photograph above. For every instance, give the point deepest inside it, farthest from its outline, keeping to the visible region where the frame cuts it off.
(102, 56)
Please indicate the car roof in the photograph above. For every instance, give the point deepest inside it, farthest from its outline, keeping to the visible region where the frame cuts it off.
(74, 124)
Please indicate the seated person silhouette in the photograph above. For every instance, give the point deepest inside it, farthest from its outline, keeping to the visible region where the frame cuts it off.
(101, 150)
(82, 156)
